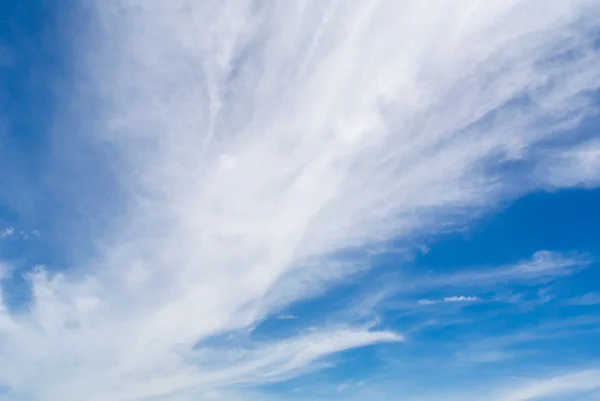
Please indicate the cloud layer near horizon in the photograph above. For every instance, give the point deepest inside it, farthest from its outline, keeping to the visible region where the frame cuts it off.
(255, 145)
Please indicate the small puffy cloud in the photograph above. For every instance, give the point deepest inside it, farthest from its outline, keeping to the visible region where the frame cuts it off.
(447, 299)
(7, 232)
(11, 232)
(460, 299)
(287, 317)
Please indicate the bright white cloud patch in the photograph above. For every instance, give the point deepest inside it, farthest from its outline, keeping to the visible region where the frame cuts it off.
(460, 298)
(256, 142)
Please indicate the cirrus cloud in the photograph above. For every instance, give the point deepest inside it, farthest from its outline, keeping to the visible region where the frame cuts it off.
(256, 144)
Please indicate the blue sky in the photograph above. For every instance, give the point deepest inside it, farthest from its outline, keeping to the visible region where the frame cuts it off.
(300, 200)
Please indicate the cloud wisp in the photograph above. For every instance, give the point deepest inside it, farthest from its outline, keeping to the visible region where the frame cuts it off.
(587, 299)
(570, 384)
(542, 267)
(255, 144)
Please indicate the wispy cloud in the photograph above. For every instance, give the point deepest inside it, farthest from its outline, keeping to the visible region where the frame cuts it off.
(256, 143)
(580, 385)
(579, 166)
(573, 385)
(521, 343)
(590, 298)
(546, 389)
(543, 266)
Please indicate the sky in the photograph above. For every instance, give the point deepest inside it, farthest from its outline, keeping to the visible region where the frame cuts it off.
(299, 200)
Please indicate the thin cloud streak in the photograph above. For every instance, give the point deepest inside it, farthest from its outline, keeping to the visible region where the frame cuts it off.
(257, 143)
(588, 299)
(569, 384)
(543, 266)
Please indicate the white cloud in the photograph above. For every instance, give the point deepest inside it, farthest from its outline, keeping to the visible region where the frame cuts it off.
(579, 166)
(460, 298)
(546, 389)
(424, 249)
(523, 343)
(7, 232)
(575, 385)
(287, 317)
(590, 298)
(10, 232)
(255, 143)
(342, 387)
(543, 266)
